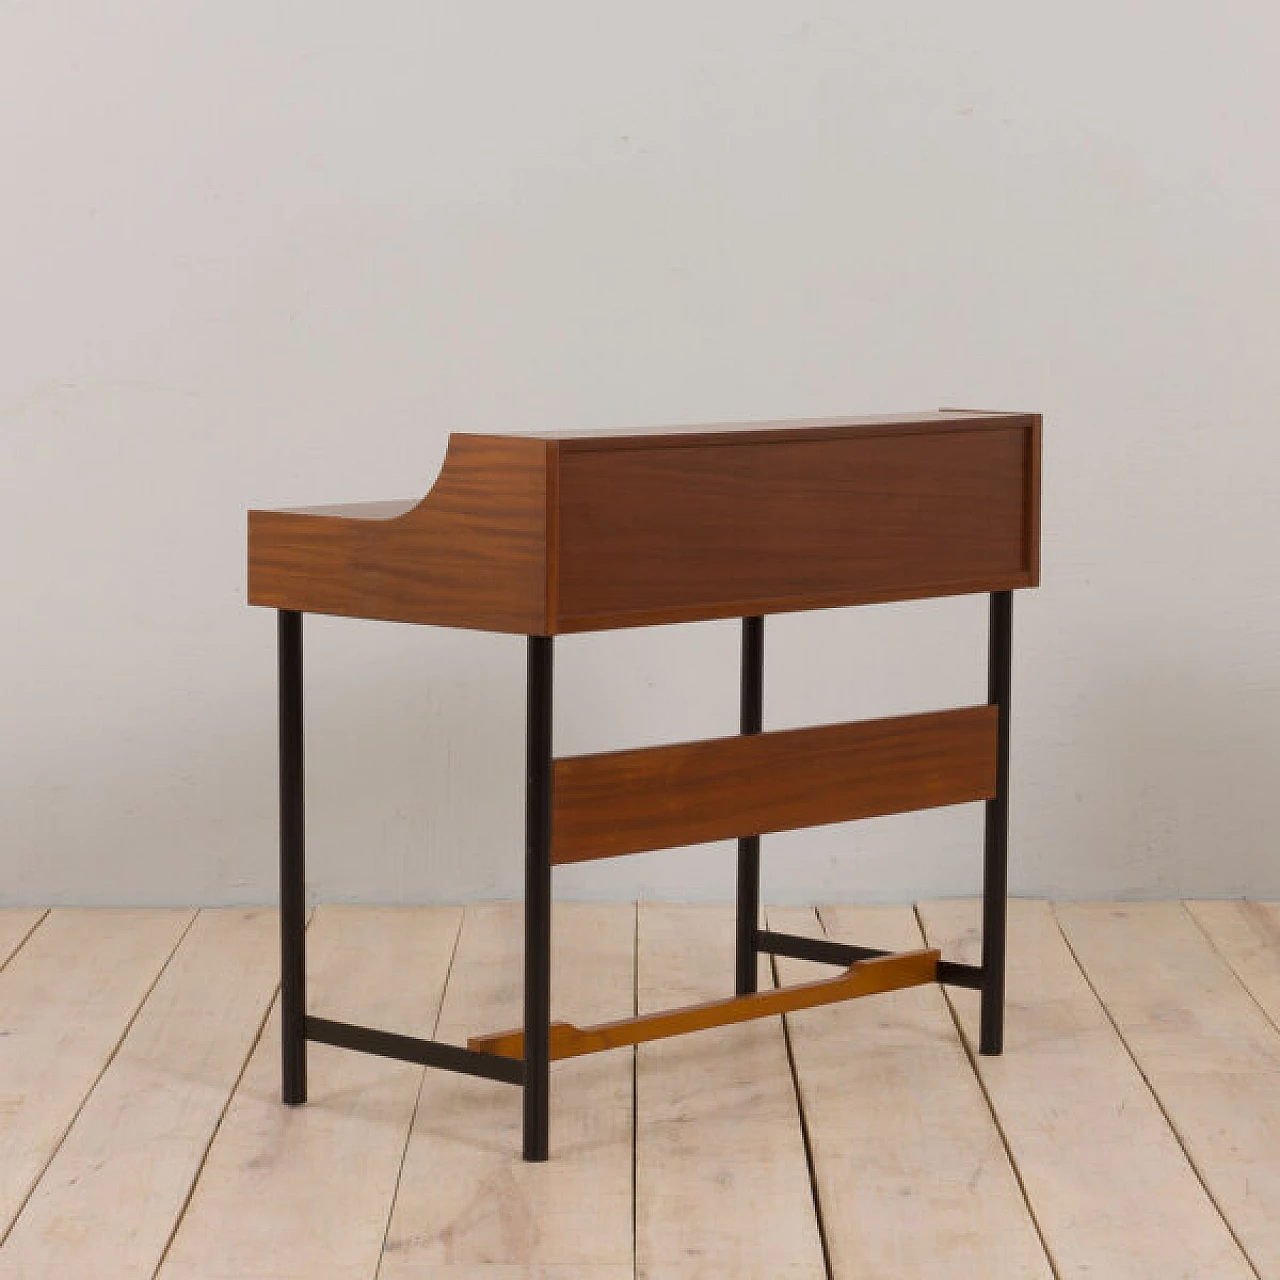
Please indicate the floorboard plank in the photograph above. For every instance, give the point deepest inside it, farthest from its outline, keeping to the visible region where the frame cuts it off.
(494, 1215)
(109, 1095)
(289, 1193)
(1110, 1187)
(66, 999)
(722, 1182)
(1247, 936)
(144, 1130)
(913, 1179)
(16, 924)
(1209, 1052)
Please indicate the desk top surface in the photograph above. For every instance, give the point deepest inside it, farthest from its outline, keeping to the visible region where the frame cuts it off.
(786, 429)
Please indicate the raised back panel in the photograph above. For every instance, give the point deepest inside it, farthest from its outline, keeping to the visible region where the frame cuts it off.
(673, 529)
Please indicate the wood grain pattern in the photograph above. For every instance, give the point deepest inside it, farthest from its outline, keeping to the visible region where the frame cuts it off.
(304, 1193)
(907, 1174)
(16, 925)
(910, 1173)
(142, 1134)
(865, 978)
(722, 1183)
(1247, 936)
(1112, 1191)
(1205, 1047)
(472, 553)
(621, 802)
(748, 526)
(66, 999)
(468, 1206)
(564, 532)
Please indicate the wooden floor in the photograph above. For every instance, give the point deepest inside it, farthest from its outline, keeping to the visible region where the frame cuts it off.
(1132, 1128)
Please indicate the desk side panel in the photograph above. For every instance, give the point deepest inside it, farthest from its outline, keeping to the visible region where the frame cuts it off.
(671, 533)
(472, 553)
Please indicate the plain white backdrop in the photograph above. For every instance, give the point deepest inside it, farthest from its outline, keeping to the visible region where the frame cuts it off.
(270, 253)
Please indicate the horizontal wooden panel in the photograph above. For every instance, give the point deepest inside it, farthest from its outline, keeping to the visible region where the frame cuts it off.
(657, 797)
(699, 526)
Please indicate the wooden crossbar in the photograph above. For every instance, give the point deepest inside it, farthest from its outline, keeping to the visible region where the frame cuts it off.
(865, 978)
(622, 802)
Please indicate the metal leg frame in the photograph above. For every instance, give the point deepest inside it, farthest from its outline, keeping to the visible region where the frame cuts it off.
(987, 977)
(293, 910)
(537, 902)
(995, 859)
(533, 1072)
(748, 899)
(296, 1028)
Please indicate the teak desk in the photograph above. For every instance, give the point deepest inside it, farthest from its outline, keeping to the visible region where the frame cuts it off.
(544, 535)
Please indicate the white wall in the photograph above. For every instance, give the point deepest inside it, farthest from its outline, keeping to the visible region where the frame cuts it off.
(271, 253)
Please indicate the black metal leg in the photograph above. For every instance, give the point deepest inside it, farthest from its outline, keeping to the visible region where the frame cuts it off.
(995, 869)
(749, 847)
(293, 917)
(537, 903)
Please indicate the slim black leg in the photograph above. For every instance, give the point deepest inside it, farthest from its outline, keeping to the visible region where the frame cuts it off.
(293, 920)
(537, 903)
(749, 846)
(995, 868)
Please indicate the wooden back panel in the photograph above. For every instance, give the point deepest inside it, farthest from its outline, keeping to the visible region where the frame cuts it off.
(735, 524)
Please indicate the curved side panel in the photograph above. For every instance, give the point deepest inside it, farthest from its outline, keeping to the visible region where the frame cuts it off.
(471, 553)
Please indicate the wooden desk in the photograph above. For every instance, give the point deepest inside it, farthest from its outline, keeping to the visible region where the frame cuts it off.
(554, 533)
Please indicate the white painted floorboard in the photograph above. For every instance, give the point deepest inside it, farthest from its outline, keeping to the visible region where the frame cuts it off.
(573, 1215)
(66, 1000)
(16, 926)
(1130, 1131)
(1209, 1052)
(722, 1184)
(110, 1198)
(304, 1193)
(897, 1119)
(1108, 1182)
